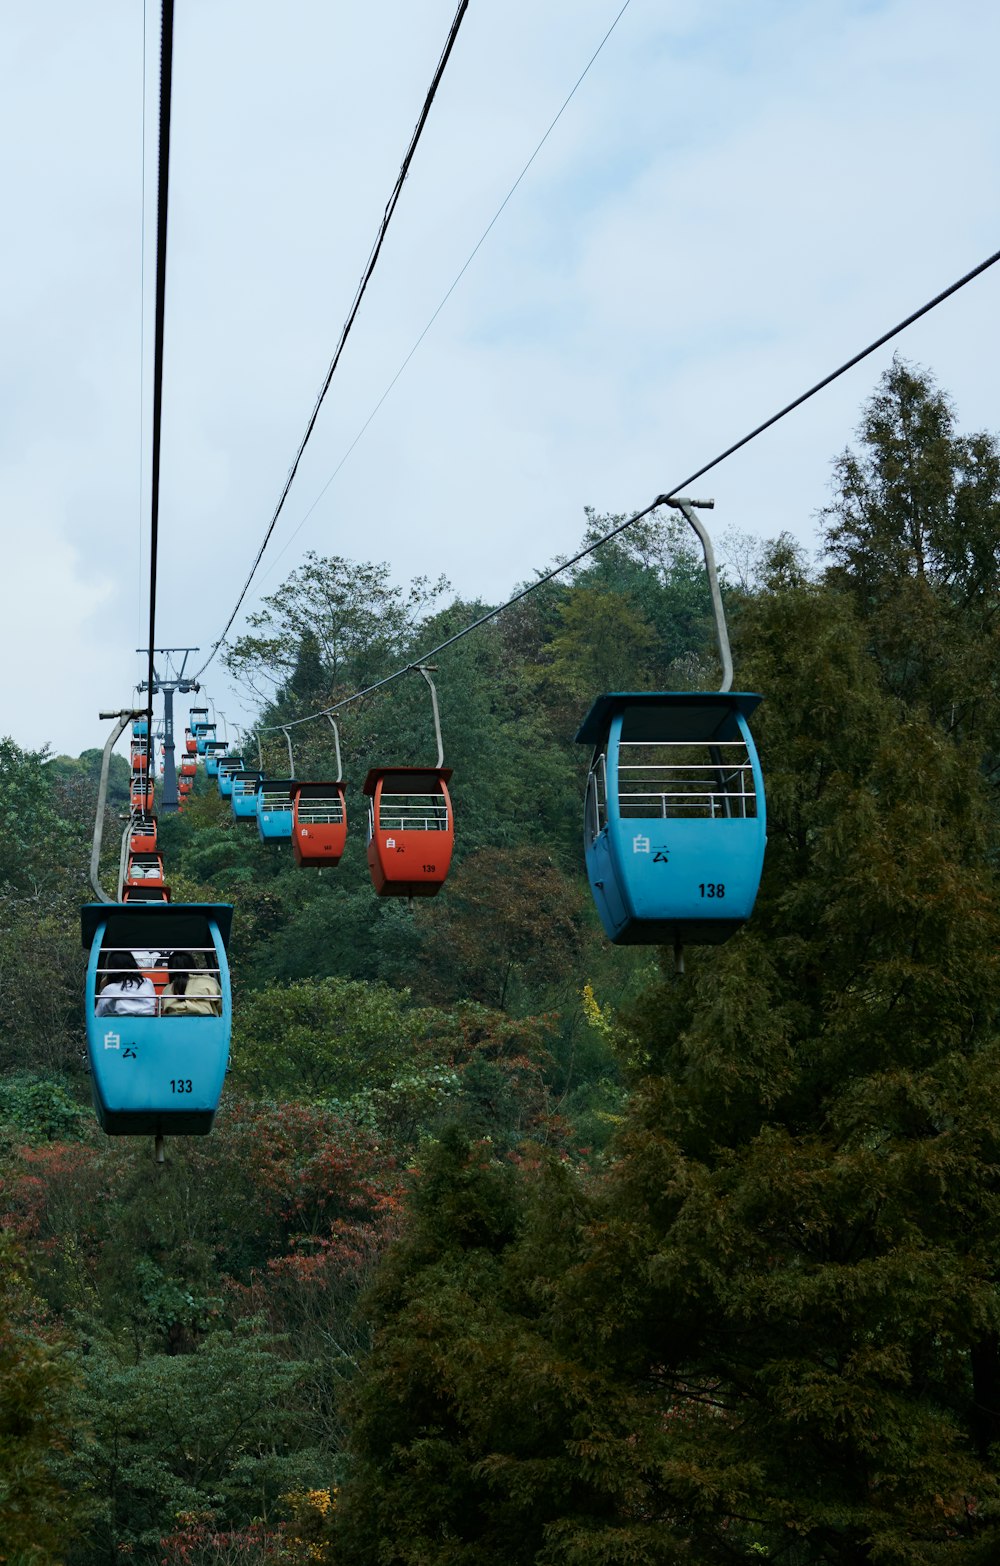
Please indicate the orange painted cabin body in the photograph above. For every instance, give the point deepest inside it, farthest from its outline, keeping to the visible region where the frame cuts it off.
(412, 830)
(143, 837)
(144, 893)
(143, 869)
(319, 823)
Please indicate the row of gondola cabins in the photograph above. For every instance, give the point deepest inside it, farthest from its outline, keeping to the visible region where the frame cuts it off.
(675, 831)
(411, 831)
(153, 1073)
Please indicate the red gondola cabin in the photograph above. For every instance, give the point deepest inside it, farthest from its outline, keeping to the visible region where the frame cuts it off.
(144, 870)
(411, 830)
(142, 839)
(146, 893)
(319, 823)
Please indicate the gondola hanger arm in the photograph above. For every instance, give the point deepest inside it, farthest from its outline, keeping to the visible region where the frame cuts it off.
(291, 758)
(426, 669)
(125, 717)
(336, 742)
(687, 508)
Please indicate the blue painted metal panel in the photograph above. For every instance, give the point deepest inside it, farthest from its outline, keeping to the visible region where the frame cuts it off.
(157, 1075)
(243, 800)
(224, 776)
(274, 810)
(666, 877)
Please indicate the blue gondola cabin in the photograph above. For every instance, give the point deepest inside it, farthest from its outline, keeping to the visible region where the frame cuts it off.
(274, 809)
(153, 1072)
(228, 767)
(243, 799)
(675, 824)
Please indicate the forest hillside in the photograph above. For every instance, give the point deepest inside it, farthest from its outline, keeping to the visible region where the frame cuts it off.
(510, 1247)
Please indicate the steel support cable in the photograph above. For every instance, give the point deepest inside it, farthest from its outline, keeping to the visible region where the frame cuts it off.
(142, 322)
(660, 500)
(390, 208)
(163, 186)
(457, 279)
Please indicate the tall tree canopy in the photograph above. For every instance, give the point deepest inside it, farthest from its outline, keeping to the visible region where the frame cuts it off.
(770, 1328)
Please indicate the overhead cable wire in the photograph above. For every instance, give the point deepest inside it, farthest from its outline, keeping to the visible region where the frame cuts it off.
(163, 187)
(662, 499)
(390, 208)
(456, 280)
(142, 320)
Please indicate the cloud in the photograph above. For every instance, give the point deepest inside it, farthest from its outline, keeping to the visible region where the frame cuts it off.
(736, 199)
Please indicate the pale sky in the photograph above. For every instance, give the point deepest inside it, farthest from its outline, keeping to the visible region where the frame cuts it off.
(739, 196)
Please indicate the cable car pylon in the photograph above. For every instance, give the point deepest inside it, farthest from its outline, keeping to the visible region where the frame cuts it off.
(167, 687)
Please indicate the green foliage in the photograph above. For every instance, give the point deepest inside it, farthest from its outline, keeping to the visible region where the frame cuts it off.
(770, 1327)
(36, 1425)
(215, 1430)
(41, 1028)
(334, 620)
(511, 914)
(737, 1298)
(38, 1109)
(323, 1039)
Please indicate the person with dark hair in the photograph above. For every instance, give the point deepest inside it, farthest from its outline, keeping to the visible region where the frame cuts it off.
(191, 992)
(125, 990)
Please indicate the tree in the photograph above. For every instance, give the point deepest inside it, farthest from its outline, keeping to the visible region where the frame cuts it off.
(431, 1402)
(510, 913)
(912, 537)
(333, 620)
(217, 1431)
(771, 1330)
(36, 1514)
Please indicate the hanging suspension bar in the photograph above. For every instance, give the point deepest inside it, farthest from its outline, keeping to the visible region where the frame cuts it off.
(425, 669)
(123, 856)
(124, 719)
(291, 759)
(260, 753)
(686, 506)
(336, 742)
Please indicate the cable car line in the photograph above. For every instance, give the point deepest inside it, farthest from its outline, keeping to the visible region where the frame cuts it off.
(390, 208)
(456, 280)
(142, 319)
(661, 500)
(163, 186)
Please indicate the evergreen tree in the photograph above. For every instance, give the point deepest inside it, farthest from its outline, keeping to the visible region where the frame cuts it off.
(771, 1331)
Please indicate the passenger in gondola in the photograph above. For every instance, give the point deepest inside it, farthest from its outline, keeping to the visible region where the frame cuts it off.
(125, 990)
(191, 992)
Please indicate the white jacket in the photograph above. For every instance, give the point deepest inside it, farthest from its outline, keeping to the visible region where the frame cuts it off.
(133, 1000)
